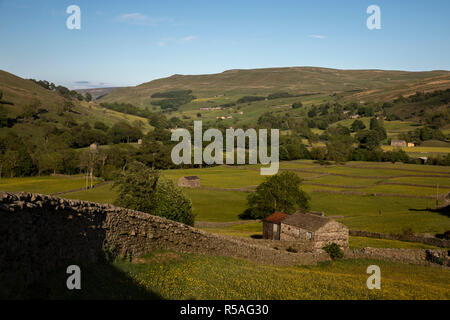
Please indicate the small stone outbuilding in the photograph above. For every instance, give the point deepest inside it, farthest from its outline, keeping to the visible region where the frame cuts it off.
(398, 143)
(189, 182)
(272, 225)
(94, 146)
(318, 230)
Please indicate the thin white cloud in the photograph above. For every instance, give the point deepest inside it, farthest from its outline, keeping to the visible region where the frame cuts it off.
(88, 85)
(166, 41)
(138, 18)
(317, 36)
(188, 39)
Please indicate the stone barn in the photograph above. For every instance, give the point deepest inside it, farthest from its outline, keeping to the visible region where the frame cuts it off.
(272, 225)
(189, 182)
(318, 230)
(94, 146)
(398, 143)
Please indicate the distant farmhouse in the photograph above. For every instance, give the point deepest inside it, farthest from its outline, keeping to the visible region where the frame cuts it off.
(398, 143)
(189, 182)
(94, 146)
(318, 230)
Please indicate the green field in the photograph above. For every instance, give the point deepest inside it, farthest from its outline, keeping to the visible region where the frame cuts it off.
(221, 200)
(45, 185)
(420, 150)
(171, 275)
(362, 242)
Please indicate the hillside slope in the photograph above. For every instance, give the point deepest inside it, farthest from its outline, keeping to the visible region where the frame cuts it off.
(356, 84)
(46, 107)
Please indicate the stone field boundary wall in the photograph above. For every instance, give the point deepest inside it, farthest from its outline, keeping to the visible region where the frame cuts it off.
(409, 238)
(40, 233)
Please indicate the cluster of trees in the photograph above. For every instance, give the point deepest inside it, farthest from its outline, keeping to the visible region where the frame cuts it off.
(423, 106)
(57, 149)
(272, 96)
(341, 146)
(76, 135)
(143, 189)
(279, 95)
(172, 100)
(248, 99)
(292, 148)
(63, 91)
(324, 115)
(442, 95)
(127, 108)
(423, 134)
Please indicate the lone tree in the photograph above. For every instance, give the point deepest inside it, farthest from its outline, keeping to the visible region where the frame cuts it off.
(280, 192)
(357, 125)
(142, 188)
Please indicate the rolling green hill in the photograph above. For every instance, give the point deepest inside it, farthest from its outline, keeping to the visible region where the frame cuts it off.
(351, 84)
(32, 108)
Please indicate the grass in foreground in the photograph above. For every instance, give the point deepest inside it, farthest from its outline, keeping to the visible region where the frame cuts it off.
(170, 275)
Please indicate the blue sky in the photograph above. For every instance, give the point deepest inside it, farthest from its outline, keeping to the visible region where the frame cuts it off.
(131, 42)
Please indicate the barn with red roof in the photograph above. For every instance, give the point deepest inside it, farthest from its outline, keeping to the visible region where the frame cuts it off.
(316, 229)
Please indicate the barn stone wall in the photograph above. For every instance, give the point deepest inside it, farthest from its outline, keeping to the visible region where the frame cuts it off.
(186, 183)
(291, 233)
(329, 233)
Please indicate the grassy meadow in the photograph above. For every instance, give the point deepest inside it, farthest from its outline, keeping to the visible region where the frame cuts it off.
(44, 184)
(224, 191)
(171, 275)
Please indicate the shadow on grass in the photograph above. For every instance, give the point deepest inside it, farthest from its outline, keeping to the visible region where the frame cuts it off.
(102, 281)
(445, 211)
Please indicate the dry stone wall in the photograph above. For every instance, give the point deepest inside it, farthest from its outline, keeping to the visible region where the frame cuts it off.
(402, 237)
(332, 232)
(40, 233)
(408, 256)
